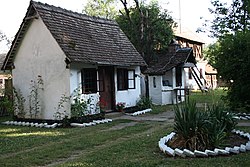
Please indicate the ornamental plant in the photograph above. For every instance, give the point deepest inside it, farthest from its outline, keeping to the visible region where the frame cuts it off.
(120, 106)
(202, 129)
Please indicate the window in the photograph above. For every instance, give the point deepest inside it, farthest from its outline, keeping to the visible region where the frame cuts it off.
(201, 74)
(100, 81)
(154, 82)
(89, 80)
(131, 79)
(178, 76)
(125, 79)
(189, 73)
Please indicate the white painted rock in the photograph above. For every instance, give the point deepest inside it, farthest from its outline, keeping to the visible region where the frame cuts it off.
(88, 124)
(242, 148)
(211, 153)
(248, 146)
(109, 120)
(6, 122)
(76, 125)
(188, 153)
(221, 151)
(96, 121)
(200, 153)
(179, 153)
(236, 148)
(169, 151)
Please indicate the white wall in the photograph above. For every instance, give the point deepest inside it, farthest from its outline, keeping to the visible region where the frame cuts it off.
(155, 92)
(39, 54)
(129, 96)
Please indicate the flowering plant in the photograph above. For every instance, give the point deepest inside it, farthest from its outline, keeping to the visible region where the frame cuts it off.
(120, 106)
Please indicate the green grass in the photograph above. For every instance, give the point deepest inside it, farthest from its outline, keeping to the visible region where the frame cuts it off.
(157, 109)
(97, 146)
(213, 96)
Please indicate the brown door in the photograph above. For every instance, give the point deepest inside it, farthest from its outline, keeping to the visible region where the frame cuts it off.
(106, 88)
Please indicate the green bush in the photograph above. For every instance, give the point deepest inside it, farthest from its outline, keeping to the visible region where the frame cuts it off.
(200, 129)
(144, 103)
(190, 125)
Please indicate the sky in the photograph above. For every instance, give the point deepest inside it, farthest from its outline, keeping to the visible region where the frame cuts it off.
(13, 11)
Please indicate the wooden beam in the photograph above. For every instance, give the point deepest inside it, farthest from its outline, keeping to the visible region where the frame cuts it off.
(32, 17)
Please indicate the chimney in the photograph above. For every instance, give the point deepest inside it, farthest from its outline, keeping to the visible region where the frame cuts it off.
(173, 47)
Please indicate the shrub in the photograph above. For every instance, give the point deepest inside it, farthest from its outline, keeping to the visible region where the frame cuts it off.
(144, 103)
(200, 129)
(190, 125)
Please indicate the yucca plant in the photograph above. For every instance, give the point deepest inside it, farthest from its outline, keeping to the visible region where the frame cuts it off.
(219, 113)
(190, 125)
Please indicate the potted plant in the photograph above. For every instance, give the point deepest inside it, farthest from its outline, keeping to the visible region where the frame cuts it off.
(120, 106)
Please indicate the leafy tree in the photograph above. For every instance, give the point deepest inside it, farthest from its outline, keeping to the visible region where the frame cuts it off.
(229, 19)
(147, 26)
(230, 55)
(3, 37)
(101, 8)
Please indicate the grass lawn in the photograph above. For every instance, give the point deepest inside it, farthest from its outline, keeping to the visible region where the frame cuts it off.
(97, 146)
(109, 145)
(208, 97)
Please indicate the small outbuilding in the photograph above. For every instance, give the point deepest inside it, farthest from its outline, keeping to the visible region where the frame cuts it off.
(168, 75)
(57, 53)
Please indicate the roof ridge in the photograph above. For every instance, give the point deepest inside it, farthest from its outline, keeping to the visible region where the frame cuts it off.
(71, 13)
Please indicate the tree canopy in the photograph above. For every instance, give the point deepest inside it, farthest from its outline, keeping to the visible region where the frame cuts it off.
(230, 18)
(148, 27)
(101, 8)
(230, 55)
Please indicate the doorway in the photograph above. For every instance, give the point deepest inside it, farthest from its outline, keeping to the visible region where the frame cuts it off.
(106, 88)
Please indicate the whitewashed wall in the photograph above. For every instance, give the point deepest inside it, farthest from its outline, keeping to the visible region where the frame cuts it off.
(155, 93)
(162, 95)
(40, 55)
(129, 96)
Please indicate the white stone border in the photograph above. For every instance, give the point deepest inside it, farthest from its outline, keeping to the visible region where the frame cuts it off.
(45, 125)
(242, 116)
(140, 112)
(187, 153)
(38, 125)
(94, 122)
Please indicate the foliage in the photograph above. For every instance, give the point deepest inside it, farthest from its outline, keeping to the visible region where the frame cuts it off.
(230, 18)
(220, 114)
(231, 56)
(144, 103)
(190, 125)
(120, 106)
(18, 104)
(34, 97)
(3, 37)
(60, 110)
(101, 8)
(200, 129)
(147, 27)
(78, 105)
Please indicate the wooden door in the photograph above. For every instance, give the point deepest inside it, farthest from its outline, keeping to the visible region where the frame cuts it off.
(106, 88)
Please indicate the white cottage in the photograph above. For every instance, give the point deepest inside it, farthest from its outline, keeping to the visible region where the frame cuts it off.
(168, 75)
(57, 51)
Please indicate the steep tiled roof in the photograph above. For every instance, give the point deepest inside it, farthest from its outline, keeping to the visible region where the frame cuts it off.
(166, 62)
(81, 37)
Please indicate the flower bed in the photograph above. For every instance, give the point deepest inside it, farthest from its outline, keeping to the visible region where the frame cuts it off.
(164, 147)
